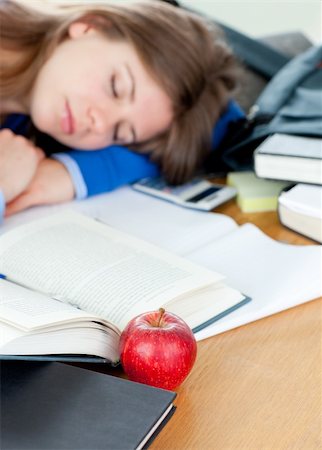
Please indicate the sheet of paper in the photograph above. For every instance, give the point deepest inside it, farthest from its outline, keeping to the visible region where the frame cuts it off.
(276, 276)
(169, 226)
(30, 310)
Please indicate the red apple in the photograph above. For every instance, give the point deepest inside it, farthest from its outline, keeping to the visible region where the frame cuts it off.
(158, 348)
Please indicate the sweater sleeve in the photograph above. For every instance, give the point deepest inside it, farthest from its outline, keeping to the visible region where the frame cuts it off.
(97, 171)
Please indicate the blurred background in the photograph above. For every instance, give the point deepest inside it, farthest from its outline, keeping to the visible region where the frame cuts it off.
(255, 18)
(263, 17)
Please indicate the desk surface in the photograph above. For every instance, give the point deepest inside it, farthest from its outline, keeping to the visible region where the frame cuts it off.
(258, 386)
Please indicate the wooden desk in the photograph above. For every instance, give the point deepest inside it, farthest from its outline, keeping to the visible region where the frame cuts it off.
(258, 386)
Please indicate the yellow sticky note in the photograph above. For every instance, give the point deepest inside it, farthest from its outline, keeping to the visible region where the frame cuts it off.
(255, 194)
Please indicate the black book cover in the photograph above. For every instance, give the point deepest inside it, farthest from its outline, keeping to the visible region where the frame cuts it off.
(56, 406)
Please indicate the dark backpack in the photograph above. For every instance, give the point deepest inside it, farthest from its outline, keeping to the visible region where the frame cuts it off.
(290, 103)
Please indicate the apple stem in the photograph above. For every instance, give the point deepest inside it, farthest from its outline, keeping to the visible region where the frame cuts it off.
(161, 312)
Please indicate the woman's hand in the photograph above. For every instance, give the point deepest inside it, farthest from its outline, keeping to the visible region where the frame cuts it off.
(19, 159)
(51, 184)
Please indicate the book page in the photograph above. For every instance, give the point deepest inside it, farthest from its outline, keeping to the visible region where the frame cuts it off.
(101, 270)
(275, 275)
(74, 340)
(28, 310)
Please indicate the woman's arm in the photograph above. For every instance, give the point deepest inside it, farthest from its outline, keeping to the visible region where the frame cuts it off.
(80, 174)
(19, 159)
(51, 184)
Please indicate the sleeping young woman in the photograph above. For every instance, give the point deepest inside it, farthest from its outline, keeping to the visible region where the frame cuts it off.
(93, 97)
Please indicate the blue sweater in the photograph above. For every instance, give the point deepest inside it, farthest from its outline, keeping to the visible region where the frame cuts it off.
(94, 172)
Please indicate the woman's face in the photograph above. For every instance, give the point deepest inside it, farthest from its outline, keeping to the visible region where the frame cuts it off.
(93, 92)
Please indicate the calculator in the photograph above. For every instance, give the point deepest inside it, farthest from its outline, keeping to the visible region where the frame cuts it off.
(199, 193)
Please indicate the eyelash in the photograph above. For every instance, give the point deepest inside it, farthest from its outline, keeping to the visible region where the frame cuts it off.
(113, 86)
(115, 95)
(116, 132)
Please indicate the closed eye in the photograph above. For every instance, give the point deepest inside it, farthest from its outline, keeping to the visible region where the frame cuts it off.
(116, 132)
(113, 86)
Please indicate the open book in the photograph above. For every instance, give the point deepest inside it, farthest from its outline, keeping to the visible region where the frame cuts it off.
(276, 275)
(72, 284)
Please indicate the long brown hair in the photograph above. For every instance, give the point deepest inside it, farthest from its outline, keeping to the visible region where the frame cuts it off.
(187, 56)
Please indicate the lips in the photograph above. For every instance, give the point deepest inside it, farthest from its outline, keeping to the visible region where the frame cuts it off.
(67, 120)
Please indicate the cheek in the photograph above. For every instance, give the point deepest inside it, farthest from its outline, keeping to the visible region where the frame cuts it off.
(157, 117)
(82, 82)
(92, 88)
(44, 101)
(72, 81)
(50, 92)
(156, 109)
(42, 110)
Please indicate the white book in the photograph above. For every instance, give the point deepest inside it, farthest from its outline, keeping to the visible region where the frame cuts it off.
(290, 158)
(274, 274)
(300, 209)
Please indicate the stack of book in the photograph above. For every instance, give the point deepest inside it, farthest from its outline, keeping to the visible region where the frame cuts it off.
(295, 159)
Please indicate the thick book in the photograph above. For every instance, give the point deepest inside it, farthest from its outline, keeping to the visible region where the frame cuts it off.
(255, 194)
(73, 283)
(290, 158)
(57, 406)
(300, 209)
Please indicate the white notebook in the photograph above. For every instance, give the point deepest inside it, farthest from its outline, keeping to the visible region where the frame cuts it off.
(290, 158)
(300, 209)
(304, 199)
